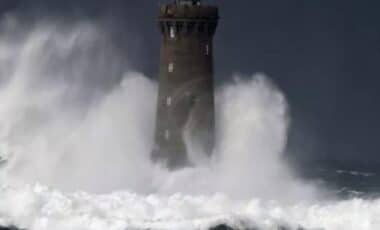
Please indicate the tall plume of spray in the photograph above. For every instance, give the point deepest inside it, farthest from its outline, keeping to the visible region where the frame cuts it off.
(63, 123)
(74, 116)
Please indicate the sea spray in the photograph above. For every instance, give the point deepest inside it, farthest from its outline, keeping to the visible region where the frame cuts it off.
(60, 127)
(46, 209)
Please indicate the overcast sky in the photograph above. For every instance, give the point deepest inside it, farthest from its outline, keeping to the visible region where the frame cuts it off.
(324, 54)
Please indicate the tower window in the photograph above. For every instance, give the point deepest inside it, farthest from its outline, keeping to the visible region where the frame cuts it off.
(169, 101)
(207, 49)
(171, 67)
(172, 32)
(167, 134)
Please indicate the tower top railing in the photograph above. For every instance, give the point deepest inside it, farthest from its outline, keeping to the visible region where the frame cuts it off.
(188, 2)
(188, 9)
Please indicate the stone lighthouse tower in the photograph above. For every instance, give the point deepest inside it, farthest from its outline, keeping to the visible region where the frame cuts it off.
(185, 109)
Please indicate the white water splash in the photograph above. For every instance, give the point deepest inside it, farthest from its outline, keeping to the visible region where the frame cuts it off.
(43, 209)
(59, 126)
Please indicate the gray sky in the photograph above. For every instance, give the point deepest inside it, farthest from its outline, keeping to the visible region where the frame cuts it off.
(324, 54)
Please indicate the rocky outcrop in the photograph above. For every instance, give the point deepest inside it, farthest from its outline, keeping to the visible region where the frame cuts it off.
(226, 227)
(10, 228)
(223, 227)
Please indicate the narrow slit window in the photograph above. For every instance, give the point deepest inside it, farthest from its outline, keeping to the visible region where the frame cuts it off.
(169, 101)
(172, 32)
(207, 49)
(167, 134)
(171, 67)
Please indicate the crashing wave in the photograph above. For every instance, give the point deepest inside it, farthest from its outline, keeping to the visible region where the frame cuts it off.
(40, 208)
(63, 129)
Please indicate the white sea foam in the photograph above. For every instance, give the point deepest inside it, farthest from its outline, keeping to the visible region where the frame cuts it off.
(73, 120)
(37, 207)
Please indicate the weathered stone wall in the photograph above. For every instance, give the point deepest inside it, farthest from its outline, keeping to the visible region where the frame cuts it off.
(186, 88)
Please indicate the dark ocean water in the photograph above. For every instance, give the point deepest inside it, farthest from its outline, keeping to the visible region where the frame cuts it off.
(347, 184)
